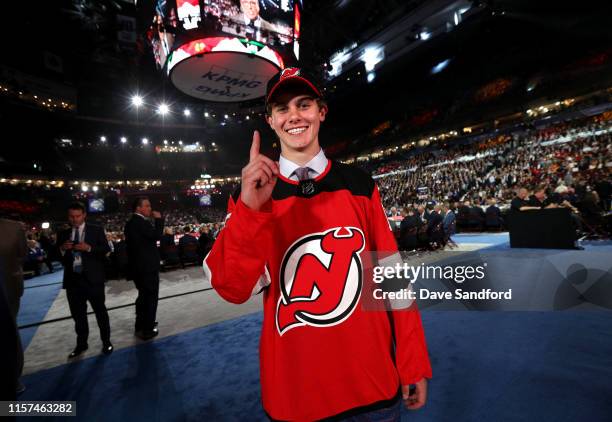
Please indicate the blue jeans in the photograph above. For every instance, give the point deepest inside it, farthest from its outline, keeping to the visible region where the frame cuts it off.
(387, 414)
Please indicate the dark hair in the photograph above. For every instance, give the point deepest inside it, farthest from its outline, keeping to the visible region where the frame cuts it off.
(77, 206)
(540, 188)
(187, 229)
(138, 202)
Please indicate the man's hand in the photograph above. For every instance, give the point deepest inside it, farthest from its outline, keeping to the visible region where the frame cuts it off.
(67, 245)
(418, 398)
(82, 247)
(156, 214)
(258, 177)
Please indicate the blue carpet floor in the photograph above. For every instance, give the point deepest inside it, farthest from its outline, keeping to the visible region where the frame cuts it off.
(488, 238)
(488, 366)
(39, 294)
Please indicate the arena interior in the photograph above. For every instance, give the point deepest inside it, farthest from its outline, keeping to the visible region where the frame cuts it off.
(485, 124)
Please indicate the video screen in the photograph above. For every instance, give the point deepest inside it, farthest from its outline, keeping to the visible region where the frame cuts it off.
(205, 201)
(271, 22)
(96, 205)
(266, 21)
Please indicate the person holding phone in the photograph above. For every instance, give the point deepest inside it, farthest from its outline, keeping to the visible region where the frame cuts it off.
(83, 248)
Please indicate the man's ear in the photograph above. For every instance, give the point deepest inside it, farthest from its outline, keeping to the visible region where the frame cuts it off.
(323, 112)
(269, 120)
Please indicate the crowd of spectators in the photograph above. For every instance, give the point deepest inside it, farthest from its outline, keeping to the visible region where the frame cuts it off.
(561, 158)
(467, 185)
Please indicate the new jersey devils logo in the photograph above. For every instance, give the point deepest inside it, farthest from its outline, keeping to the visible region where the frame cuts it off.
(289, 72)
(320, 279)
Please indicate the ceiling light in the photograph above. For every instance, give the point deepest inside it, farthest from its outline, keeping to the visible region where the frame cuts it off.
(163, 109)
(137, 101)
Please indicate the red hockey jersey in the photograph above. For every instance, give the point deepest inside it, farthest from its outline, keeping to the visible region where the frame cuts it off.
(321, 353)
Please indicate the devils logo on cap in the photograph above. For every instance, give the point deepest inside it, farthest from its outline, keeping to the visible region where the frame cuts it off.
(289, 72)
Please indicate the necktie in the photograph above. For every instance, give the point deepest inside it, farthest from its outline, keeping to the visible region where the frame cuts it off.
(302, 173)
(77, 265)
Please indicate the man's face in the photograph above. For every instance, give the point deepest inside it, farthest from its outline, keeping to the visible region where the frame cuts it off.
(522, 193)
(250, 8)
(144, 208)
(541, 195)
(76, 217)
(296, 119)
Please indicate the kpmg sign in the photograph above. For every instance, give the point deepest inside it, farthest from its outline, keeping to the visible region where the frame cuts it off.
(223, 69)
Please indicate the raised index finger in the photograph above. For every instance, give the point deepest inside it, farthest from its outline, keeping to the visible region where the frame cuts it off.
(254, 146)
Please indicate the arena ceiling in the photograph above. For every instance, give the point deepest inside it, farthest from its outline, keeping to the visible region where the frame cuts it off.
(557, 48)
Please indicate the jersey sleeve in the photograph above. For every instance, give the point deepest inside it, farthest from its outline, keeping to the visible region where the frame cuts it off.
(236, 264)
(412, 359)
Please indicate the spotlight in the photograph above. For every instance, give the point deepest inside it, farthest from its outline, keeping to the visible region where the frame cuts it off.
(226, 116)
(123, 139)
(440, 66)
(163, 109)
(137, 101)
(95, 188)
(371, 76)
(206, 114)
(45, 225)
(186, 112)
(145, 141)
(180, 142)
(103, 138)
(165, 142)
(84, 188)
(372, 55)
(248, 118)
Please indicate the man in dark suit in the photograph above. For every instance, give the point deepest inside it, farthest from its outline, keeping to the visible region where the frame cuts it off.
(143, 264)
(448, 221)
(13, 250)
(408, 230)
(188, 246)
(249, 18)
(205, 240)
(83, 248)
(493, 218)
(10, 361)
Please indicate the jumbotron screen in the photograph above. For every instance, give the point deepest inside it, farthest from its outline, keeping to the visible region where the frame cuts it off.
(95, 205)
(224, 50)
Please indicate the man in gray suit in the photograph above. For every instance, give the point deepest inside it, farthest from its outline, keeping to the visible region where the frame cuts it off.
(13, 250)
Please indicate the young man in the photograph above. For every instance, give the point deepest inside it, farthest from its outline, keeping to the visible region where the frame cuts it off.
(83, 248)
(297, 231)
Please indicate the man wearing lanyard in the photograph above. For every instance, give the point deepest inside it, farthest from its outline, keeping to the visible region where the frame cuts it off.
(83, 248)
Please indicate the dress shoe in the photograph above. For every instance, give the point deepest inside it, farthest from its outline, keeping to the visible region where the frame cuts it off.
(107, 349)
(147, 335)
(20, 387)
(77, 351)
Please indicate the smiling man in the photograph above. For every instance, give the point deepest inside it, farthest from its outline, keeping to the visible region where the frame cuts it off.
(297, 231)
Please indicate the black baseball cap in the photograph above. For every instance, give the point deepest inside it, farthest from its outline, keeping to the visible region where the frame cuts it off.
(291, 76)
